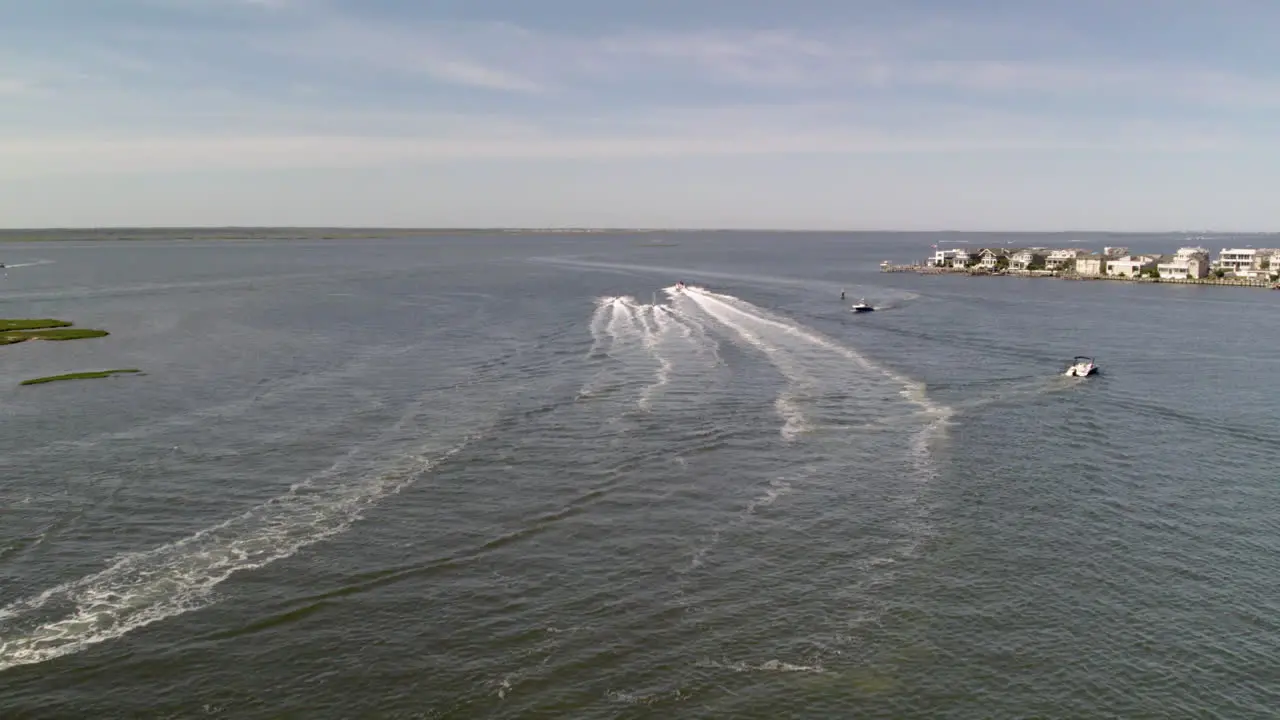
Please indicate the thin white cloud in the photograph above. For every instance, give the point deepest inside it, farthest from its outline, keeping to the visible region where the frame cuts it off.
(925, 58)
(328, 40)
(715, 47)
(961, 57)
(464, 72)
(15, 86)
(216, 5)
(88, 155)
(977, 59)
(1084, 80)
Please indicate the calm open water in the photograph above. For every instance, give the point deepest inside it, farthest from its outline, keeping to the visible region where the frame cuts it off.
(492, 477)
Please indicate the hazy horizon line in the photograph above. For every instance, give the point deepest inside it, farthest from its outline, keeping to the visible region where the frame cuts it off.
(603, 229)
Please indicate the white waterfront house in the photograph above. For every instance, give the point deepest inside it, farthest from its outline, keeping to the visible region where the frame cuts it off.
(989, 258)
(1238, 261)
(1064, 259)
(942, 258)
(963, 257)
(1131, 265)
(1188, 262)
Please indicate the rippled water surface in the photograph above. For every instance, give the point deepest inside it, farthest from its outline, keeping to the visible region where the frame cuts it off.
(520, 476)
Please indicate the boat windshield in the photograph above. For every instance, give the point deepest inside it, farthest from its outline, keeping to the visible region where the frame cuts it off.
(1083, 359)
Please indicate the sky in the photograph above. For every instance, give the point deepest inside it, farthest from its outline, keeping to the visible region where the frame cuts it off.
(1144, 115)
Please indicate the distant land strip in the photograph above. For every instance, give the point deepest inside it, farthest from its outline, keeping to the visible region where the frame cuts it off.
(249, 234)
(283, 233)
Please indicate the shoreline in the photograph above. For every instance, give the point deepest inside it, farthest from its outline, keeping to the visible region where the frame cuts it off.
(1052, 275)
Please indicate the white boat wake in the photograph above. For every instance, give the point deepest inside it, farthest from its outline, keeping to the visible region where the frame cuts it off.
(33, 263)
(139, 589)
(643, 342)
(824, 378)
(849, 411)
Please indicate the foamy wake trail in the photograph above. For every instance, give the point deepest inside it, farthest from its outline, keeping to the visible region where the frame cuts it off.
(832, 387)
(643, 340)
(33, 263)
(706, 347)
(142, 588)
(658, 327)
(612, 329)
(823, 377)
(767, 666)
(617, 340)
(799, 383)
(600, 320)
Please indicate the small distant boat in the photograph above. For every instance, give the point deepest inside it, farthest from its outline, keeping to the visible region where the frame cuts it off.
(862, 306)
(1082, 366)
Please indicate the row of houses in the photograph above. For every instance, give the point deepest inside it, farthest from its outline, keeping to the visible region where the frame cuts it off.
(1187, 262)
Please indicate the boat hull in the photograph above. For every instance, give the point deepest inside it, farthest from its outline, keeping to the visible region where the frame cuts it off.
(863, 309)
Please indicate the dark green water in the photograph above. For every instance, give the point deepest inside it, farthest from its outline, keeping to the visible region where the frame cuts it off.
(489, 477)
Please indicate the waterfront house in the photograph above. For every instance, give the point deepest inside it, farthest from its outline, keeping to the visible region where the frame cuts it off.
(1027, 259)
(964, 257)
(1131, 265)
(1091, 265)
(1114, 251)
(1267, 262)
(989, 258)
(1188, 262)
(942, 258)
(1238, 261)
(1064, 259)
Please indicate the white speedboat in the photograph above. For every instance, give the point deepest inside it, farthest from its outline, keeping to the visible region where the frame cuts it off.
(1082, 366)
(862, 306)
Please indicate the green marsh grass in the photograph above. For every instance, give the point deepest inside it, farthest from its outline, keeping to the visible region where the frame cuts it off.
(79, 376)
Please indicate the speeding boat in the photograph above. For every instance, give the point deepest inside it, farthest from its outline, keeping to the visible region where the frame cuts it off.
(862, 306)
(1082, 366)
